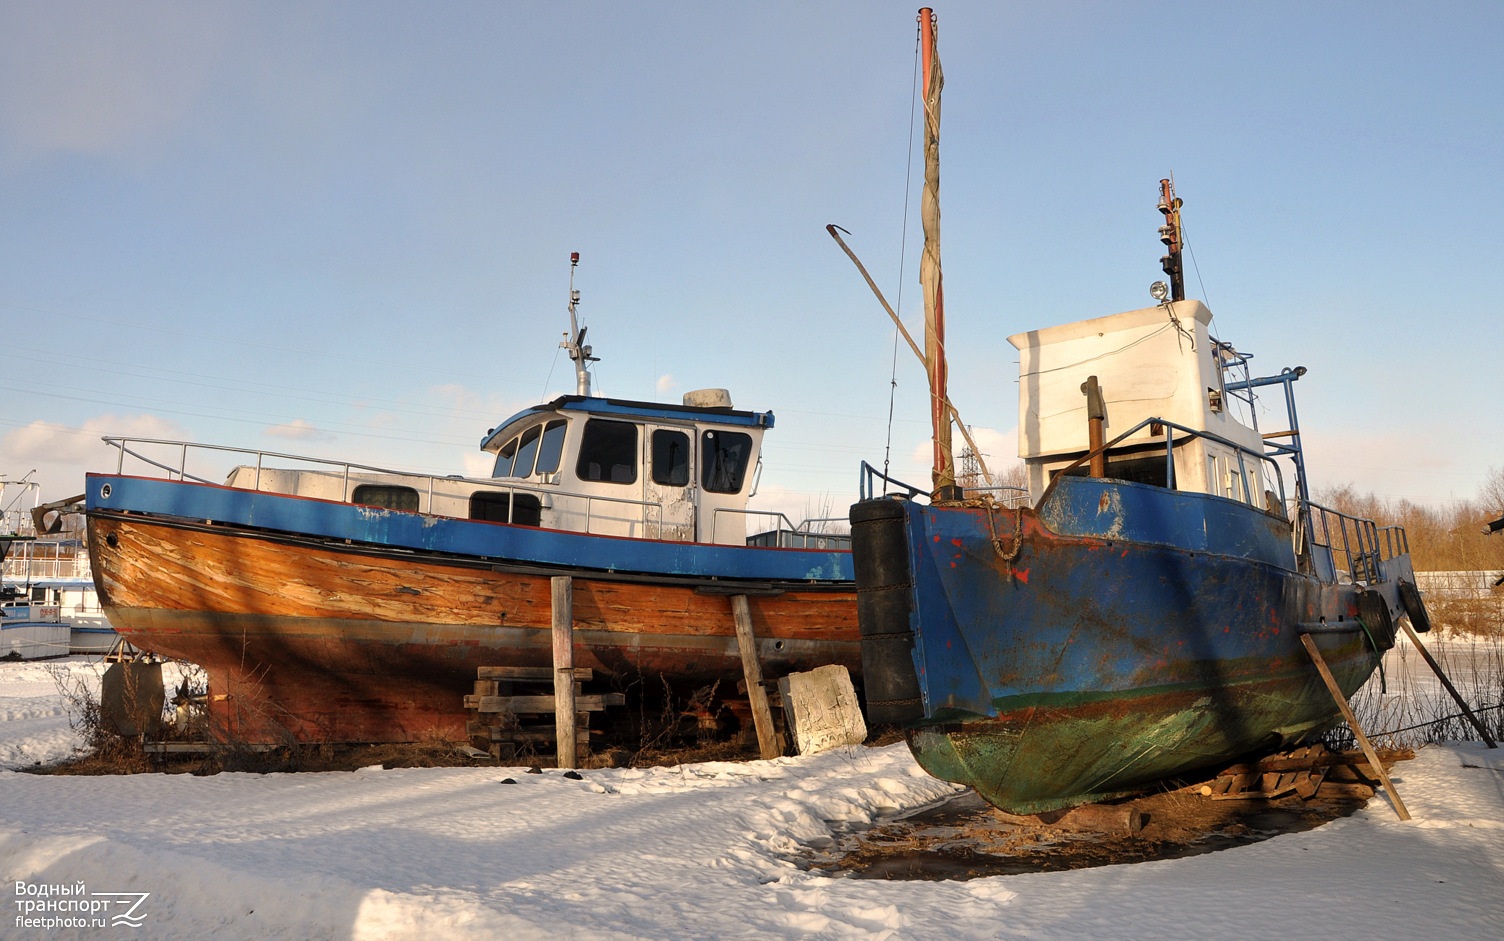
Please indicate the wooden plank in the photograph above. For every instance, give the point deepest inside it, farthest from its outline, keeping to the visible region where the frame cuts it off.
(200, 748)
(564, 708)
(537, 737)
(541, 704)
(1312, 762)
(541, 674)
(1352, 723)
(1309, 783)
(757, 696)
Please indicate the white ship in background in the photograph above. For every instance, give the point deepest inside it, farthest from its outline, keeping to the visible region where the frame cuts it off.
(48, 607)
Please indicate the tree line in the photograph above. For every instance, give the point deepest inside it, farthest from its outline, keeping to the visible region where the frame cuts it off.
(1450, 538)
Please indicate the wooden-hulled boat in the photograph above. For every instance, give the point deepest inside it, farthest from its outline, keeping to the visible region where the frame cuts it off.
(1141, 613)
(335, 602)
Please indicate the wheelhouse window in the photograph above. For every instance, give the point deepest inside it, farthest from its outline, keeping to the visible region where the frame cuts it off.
(670, 458)
(608, 452)
(527, 452)
(389, 497)
(536, 451)
(551, 449)
(524, 509)
(1139, 470)
(505, 458)
(724, 456)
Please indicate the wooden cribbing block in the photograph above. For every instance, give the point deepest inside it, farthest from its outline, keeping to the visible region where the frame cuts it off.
(541, 704)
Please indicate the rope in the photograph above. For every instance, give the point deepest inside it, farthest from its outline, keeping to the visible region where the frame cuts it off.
(1457, 715)
(1009, 555)
(903, 252)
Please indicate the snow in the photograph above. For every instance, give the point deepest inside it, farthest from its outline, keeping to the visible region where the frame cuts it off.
(698, 851)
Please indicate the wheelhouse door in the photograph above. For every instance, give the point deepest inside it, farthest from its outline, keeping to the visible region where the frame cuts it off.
(669, 484)
(726, 461)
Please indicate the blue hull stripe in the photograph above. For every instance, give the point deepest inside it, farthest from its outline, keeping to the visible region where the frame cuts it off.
(498, 542)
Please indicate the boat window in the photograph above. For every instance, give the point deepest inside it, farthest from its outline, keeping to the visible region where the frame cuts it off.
(608, 451)
(670, 458)
(382, 495)
(724, 456)
(527, 452)
(524, 509)
(1139, 470)
(504, 459)
(552, 447)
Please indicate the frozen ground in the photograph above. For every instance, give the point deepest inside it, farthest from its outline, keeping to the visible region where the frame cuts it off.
(702, 851)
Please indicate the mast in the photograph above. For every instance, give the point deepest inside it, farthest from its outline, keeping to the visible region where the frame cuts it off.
(944, 472)
(1169, 233)
(574, 340)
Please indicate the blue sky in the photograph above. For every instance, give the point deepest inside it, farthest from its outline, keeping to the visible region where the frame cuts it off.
(344, 228)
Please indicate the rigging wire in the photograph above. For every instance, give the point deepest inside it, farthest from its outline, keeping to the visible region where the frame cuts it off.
(908, 189)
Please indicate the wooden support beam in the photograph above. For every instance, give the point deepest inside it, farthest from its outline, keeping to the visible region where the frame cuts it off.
(564, 709)
(541, 704)
(1352, 722)
(757, 696)
(1436, 668)
(545, 674)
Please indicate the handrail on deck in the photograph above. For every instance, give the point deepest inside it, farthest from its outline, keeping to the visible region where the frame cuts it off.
(867, 487)
(1364, 544)
(1169, 428)
(781, 523)
(1012, 497)
(345, 468)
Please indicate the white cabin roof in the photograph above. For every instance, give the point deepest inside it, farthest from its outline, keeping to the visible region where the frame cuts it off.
(1156, 362)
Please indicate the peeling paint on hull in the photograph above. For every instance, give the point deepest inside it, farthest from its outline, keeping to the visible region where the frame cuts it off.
(318, 640)
(1100, 661)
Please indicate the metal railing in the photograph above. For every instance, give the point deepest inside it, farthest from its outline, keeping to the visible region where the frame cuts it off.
(867, 484)
(348, 472)
(40, 559)
(801, 533)
(596, 507)
(1363, 544)
(1007, 496)
(1169, 428)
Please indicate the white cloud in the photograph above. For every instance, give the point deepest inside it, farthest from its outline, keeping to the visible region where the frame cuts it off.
(299, 430)
(62, 454)
(666, 383)
(478, 463)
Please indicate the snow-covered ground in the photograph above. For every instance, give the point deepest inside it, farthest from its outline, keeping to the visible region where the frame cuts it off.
(701, 851)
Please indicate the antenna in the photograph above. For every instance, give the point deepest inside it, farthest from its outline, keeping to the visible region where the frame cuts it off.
(1169, 233)
(574, 340)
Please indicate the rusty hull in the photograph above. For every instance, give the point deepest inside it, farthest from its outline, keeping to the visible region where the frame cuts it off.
(1118, 645)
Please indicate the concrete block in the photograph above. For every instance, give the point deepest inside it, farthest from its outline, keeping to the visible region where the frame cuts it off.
(822, 709)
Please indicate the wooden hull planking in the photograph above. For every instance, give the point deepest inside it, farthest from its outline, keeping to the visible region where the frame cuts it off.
(316, 641)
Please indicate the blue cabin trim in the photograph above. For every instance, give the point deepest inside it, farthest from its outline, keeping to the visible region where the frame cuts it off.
(486, 541)
(624, 408)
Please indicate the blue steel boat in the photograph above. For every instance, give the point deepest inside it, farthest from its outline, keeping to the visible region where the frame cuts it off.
(1140, 614)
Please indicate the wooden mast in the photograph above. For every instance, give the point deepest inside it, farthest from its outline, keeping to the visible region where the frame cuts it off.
(944, 472)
